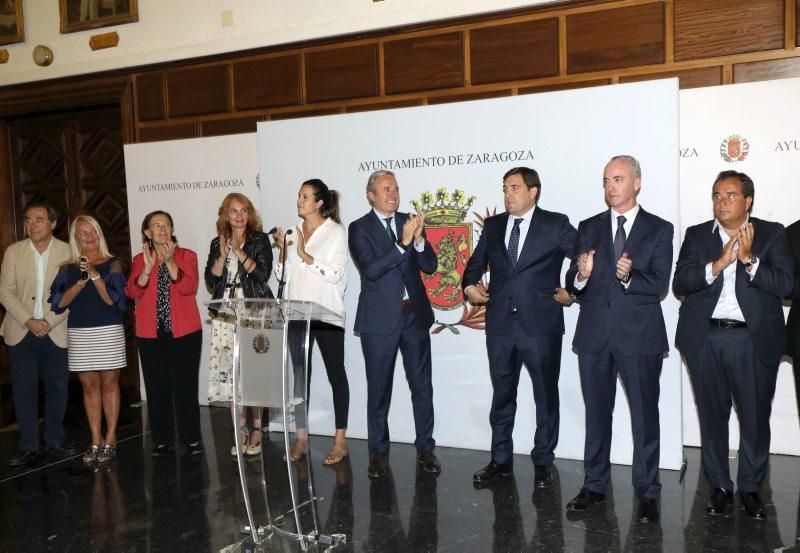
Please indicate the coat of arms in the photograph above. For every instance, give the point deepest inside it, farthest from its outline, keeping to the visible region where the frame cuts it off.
(734, 148)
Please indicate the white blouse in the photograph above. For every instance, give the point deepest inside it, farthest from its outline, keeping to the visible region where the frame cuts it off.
(324, 281)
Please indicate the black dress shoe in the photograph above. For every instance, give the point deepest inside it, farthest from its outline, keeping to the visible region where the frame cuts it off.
(753, 505)
(23, 457)
(377, 465)
(585, 499)
(542, 476)
(491, 471)
(194, 449)
(160, 450)
(429, 462)
(61, 451)
(648, 510)
(719, 501)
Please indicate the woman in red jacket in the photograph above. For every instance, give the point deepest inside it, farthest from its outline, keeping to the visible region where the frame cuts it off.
(163, 283)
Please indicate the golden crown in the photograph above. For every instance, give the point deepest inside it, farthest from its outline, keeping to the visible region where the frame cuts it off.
(444, 208)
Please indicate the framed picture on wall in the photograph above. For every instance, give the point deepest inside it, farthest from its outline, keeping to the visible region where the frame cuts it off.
(79, 15)
(11, 29)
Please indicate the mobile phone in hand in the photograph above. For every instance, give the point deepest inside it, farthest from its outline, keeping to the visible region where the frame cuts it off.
(84, 274)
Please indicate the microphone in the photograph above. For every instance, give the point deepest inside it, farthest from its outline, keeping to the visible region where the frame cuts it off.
(273, 230)
(281, 281)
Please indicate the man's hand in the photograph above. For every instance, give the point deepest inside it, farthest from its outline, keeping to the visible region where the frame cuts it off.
(409, 229)
(624, 266)
(585, 265)
(477, 293)
(420, 227)
(562, 297)
(728, 256)
(745, 238)
(39, 327)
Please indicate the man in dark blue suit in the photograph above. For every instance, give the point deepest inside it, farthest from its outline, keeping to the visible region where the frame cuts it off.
(620, 272)
(524, 248)
(393, 313)
(733, 272)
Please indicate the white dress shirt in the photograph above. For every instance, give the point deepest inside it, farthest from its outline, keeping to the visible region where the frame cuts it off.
(727, 305)
(523, 228)
(324, 281)
(41, 266)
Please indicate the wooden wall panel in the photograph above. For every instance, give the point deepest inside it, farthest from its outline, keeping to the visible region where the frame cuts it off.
(563, 86)
(464, 97)
(167, 132)
(615, 38)
(229, 126)
(709, 28)
(689, 78)
(198, 90)
(424, 63)
(266, 83)
(766, 70)
(150, 96)
(526, 50)
(797, 24)
(304, 113)
(384, 105)
(342, 73)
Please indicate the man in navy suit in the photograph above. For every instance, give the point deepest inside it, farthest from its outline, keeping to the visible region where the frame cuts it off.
(393, 313)
(793, 322)
(620, 272)
(524, 248)
(733, 272)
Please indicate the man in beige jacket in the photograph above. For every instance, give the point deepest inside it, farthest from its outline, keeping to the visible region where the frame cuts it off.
(35, 336)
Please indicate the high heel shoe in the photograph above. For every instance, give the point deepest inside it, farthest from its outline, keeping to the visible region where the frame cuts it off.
(336, 454)
(245, 441)
(90, 456)
(253, 448)
(299, 449)
(107, 453)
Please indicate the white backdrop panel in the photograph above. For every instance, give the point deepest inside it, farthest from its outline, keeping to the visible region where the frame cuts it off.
(189, 179)
(570, 136)
(765, 116)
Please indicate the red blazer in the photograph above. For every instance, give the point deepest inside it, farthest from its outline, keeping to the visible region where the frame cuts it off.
(184, 314)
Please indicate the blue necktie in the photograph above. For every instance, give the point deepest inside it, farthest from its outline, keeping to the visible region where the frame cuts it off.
(619, 238)
(513, 242)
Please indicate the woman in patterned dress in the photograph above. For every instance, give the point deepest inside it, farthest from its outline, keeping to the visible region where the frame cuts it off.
(163, 283)
(238, 266)
(92, 286)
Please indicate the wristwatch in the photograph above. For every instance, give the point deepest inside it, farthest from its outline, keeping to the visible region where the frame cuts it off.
(752, 261)
(400, 243)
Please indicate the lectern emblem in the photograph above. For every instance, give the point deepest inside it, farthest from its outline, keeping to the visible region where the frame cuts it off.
(261, 343)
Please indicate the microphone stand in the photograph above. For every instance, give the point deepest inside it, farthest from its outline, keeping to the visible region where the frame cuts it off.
(281, 281)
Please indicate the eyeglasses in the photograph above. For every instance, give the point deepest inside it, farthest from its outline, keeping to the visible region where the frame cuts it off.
(160, 226)
(87, 233)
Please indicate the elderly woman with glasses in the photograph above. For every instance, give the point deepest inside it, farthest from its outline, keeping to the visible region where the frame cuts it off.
(163, 283)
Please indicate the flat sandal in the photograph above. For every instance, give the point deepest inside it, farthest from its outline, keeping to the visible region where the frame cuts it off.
(336, 454)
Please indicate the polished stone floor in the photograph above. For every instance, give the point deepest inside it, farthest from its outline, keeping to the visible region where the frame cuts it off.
(194, 503)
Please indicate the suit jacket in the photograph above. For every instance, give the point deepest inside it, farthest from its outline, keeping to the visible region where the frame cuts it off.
(531, 284)
(793, 324)
(18, 291)
(760, 299)
(631, 317)
(384, 272)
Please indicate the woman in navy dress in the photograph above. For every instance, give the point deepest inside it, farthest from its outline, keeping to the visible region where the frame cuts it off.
(92, 287)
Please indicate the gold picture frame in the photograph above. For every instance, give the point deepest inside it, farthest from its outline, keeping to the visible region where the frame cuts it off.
(11, 23)
(80, 15)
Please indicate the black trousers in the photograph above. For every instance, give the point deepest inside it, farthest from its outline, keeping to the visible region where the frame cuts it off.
(171, 367)
(728, 370)
(330, 339)
(30, 357)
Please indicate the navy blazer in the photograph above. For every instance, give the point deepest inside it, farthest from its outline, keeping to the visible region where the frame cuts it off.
(631, 317)
(793, 323)
(760, 299)
(384, 272)
(532, 283)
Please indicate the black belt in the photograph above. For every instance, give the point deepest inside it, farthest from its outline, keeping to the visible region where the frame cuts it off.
(727, 323)
(406, 303)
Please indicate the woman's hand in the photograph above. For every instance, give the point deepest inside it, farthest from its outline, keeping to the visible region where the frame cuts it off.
(301, 247)
(224, 246)
(166, 252)
(86, 266)
(149, 256)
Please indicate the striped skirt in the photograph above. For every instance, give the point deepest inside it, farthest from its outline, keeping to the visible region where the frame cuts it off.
(101, 348)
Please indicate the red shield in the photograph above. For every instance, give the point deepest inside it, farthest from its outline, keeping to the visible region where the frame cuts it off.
(453, 246)
(734, 148)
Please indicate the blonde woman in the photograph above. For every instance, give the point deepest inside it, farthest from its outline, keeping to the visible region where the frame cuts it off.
(92, 287)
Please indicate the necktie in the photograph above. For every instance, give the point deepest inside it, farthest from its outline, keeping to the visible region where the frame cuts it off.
(513, 242)
(389, 229)
(619, 238)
